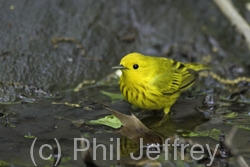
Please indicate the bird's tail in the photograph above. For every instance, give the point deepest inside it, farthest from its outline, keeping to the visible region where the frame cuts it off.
(197, 66)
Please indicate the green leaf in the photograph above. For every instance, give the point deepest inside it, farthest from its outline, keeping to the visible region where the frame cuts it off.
(113, 96)
(12, 125)
(29, 136)
(195, 134)
(214, 133)
(243, 127)
(231, 115)
(3, 163)
(109, 120)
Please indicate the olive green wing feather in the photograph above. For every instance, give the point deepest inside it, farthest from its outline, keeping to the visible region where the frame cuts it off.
(177, 78)
(188, 78)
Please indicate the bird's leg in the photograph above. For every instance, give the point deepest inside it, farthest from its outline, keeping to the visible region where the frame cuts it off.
(166, 116)
(164, 119)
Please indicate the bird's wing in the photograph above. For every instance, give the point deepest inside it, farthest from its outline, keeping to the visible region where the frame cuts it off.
(177, 78)
(188, 78)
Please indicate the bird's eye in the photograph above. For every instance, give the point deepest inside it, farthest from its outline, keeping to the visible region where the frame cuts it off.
(135, 66)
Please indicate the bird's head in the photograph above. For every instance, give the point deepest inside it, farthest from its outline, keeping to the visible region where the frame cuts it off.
(133, 65)
(132, 61)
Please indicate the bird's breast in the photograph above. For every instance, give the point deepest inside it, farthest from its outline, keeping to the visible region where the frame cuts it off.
(142, 95)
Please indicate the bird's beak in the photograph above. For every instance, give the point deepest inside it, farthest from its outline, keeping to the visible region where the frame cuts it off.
(119, 67)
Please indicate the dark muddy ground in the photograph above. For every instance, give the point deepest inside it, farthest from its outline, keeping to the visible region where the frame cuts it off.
(48, 48)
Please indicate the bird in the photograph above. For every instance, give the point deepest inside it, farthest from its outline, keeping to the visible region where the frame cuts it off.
(155, 83)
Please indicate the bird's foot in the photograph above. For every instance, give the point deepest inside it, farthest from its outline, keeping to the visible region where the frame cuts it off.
(158, 124)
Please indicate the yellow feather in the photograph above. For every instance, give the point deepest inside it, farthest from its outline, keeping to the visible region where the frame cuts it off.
(155, 83)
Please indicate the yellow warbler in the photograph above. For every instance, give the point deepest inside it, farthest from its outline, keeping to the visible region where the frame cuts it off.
(155, 83)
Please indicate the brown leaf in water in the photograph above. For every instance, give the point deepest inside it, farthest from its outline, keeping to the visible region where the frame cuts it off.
(134, 129)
